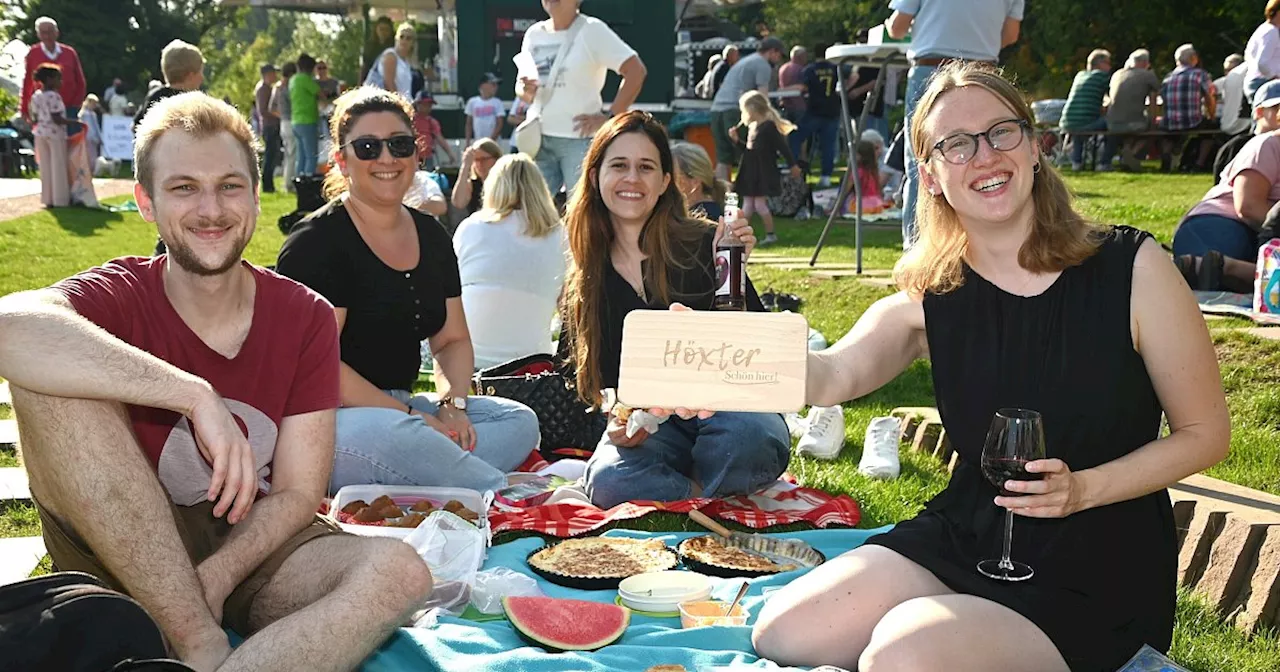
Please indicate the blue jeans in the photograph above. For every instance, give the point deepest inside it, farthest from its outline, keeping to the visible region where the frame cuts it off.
(728, 454)
(1078, 142)
(386, 447)
(917, 80)
(560, 161)
(1200, 233)
(826, 129)
(308, 143)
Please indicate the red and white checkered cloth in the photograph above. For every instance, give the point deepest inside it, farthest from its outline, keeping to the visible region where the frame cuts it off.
(777, 504)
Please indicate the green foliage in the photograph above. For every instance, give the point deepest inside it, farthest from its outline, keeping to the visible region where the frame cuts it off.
(8, 104)
(116, 39)
(812, 22)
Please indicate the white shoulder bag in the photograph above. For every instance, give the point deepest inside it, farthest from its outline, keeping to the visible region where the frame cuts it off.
(528, 136)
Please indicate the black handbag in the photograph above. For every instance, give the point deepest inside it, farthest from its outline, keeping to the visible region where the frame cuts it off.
(569, 426)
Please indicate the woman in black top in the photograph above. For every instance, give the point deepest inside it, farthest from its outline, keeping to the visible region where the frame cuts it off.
(477, 161)
(1018, 302)
(392, 277)
(635, 247)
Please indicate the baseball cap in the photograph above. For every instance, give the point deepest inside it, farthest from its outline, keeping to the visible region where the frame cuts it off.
(772, 43)
(267, 67)
(490, 78)
(1268, 95)
(424, 97)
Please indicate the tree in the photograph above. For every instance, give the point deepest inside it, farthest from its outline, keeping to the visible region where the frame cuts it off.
(809, 23)
(116, 39)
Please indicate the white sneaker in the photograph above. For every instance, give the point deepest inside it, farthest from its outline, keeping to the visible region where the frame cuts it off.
(880, 449)
(769, 239)
(797, 424)
(825, 434)
(824, 181)
(802, 214)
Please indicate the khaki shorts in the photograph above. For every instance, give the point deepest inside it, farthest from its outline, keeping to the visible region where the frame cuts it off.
(202, 535)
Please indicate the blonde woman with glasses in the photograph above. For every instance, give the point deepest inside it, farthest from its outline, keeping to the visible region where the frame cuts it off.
(1017, 301)
(512, 259)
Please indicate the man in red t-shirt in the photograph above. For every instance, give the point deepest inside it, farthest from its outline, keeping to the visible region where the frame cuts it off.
(177, 417)
(50, 50)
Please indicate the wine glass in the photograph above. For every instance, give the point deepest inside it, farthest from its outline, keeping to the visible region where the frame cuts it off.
(1015, 438)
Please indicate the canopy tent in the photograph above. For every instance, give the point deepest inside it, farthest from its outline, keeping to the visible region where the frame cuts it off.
(684, 8)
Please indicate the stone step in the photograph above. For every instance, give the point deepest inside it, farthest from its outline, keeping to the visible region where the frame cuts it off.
(1269, 333)
(13, 484)
(18, 557)
(8, 432)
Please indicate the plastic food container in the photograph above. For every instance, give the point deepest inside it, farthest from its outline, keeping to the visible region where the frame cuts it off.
(711, 612)
(402, 494)
(662, 592)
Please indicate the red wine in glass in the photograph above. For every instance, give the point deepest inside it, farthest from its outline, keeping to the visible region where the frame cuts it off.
(998, 470)
(1015, 438)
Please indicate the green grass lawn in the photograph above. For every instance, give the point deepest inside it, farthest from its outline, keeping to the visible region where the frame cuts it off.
(44, 247)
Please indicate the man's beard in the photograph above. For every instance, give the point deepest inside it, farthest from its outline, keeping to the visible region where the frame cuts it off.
(186, 258)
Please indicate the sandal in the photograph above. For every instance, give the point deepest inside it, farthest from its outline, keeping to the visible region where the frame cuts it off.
(1187, 267)
(1210, 275)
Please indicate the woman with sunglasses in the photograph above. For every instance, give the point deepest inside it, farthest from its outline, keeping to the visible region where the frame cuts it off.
(392, 276)
(393, 70)
(1018, 302)
(634, 246)
(477, 161)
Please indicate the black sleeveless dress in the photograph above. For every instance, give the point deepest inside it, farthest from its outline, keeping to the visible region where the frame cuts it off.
(1104, 579)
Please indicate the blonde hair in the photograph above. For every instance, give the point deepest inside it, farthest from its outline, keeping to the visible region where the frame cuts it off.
(488, 146)
(693, 161)
(349, 107)
(180, 60)
(515, 183)
(406, 29)
(756, 108)
(198, 114)
(1269, 11)
(1060, 238)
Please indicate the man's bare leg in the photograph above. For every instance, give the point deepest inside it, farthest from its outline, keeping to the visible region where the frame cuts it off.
(331, 603)
(87, 470)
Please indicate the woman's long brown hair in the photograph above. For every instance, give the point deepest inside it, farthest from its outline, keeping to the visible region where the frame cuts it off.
(669, 230)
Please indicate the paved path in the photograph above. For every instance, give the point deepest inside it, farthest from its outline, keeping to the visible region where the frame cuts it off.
(20, 197)
(18, 556)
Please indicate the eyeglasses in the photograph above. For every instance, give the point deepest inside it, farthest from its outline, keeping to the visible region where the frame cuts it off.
(369, 149)
(960, 148)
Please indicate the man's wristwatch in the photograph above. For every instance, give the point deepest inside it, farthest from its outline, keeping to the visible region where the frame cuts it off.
(459, 403)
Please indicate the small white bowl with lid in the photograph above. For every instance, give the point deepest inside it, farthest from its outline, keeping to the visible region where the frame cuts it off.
(662, 592)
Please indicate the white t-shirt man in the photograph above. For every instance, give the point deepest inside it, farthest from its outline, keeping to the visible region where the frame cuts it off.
(510, 285)
(596, 51)
(484, 113)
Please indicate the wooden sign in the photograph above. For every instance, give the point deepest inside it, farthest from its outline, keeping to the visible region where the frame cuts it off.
(714, 360)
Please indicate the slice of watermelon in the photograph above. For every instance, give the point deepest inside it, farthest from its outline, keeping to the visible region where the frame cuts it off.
(566, 625)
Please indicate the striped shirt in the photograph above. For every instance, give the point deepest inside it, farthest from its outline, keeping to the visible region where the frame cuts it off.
(1084, 103)
(1184, 91)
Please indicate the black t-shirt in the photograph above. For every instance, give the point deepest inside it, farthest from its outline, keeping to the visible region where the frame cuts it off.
(155, 97)
(389, 312)
(857, 103)
(477, 196)
(717, 77)
(693, 286)
(709, 209)
(822, 79)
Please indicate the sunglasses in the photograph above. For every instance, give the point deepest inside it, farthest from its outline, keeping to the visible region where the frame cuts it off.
(369, 149)
(960, 148)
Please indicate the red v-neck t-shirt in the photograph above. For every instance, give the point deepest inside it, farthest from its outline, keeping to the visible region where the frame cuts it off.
(288, 364)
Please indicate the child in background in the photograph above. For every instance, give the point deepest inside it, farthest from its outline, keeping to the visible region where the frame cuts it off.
(428, 132)
(764, 133)
(49, 121)
(869, 179)
(485, 112)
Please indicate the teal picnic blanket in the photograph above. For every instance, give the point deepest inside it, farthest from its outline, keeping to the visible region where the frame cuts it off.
(493, 646)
